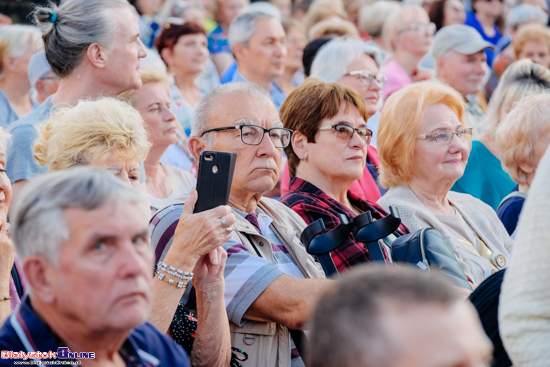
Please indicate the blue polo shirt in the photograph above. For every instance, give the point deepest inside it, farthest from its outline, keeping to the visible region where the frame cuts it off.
(277, 96)
(24, 331)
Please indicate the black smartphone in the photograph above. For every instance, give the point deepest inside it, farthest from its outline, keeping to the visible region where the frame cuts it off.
(214, 179)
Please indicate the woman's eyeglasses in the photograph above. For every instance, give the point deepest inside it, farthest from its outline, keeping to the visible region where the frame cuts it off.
(445, 137)
(367, 78)
(419, 28)
(345, 132)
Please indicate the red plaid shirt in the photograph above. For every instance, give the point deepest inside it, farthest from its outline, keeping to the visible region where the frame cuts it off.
(311, 204)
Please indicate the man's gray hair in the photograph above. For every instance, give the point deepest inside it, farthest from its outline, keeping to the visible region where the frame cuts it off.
(525, 13)
(38, 224)
(201, 119)
(73, 26)
(334, 58)
(243, 27)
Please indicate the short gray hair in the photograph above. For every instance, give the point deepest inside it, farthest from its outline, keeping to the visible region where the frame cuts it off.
(372, 16)
(77, 24)
(525, 13)
(334, 58)
(38, 223)
(243, 27)
(201, 119)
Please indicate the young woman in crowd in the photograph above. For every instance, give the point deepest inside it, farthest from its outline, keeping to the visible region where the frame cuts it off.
(484, 177)
(447, 12)
(424, 146)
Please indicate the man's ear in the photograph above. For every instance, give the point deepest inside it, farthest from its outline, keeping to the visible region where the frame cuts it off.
(239, 52)
(41, 276)
(97, 55)
(299, 144)
(196, 146)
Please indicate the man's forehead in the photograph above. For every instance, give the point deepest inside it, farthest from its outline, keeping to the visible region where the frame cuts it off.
(236, 107)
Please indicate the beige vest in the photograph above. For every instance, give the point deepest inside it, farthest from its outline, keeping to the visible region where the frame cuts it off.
(267, 343)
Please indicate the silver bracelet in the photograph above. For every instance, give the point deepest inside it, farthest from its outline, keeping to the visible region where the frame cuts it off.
(186, 275)
(180, 284)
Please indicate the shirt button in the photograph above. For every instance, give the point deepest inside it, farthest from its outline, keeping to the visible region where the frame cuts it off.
(261, 244)
(501, 261)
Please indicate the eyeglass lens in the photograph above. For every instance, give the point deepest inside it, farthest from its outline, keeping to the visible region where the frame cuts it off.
(345, 133)
(253, 135)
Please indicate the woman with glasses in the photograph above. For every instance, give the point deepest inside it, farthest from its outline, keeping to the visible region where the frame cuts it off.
(354, 64)
(327, 154)
(484, 177)
(408, 34)
(424, 147)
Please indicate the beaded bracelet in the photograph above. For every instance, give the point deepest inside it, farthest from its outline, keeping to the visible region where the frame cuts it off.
(173, 271)
(180, 284)
(5, 299)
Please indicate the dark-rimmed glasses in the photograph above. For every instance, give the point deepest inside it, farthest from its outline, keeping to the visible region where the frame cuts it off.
(254, 134)
(445, 137)
(345, 132)
(366, 78)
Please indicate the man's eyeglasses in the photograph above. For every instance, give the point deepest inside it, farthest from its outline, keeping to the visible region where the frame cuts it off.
(345, 132)
(419, 28)
(254, 134)
(366, 78)
(445, 137)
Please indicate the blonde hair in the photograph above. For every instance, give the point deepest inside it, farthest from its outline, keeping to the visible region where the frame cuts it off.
(531, 32)
(92, 129)
(323, 9)
(521, 78)
(328, 27)
(373, 16)
(400, 125)
(518, 133)
(147, 76)
(16, 39)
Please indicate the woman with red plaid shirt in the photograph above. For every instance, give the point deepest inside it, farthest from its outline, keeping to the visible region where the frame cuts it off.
(327, 154)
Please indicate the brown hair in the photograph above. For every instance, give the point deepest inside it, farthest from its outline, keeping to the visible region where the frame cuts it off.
(312, 102)
(172, 33)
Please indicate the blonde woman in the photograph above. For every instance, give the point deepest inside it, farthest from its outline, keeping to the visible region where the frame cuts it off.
(164, 182)
(106, 133)
(522, 137)
(17, 45)
(484, 177)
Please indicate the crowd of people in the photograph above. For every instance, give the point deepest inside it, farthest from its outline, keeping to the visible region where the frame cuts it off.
(429, 114)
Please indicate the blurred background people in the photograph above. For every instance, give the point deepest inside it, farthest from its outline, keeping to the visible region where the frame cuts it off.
(460, 60)
(18, 43)
(522, 138)
(183, 48)
(218, 44)
(533, 42)
(43, 80)
(408, 34)
(443, 13)
(484, 17)
(371, 21)
(484, 177)
(295, 43)
(424, 146)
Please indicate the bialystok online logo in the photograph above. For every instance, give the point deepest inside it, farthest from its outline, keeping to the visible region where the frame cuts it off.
(62, 353)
